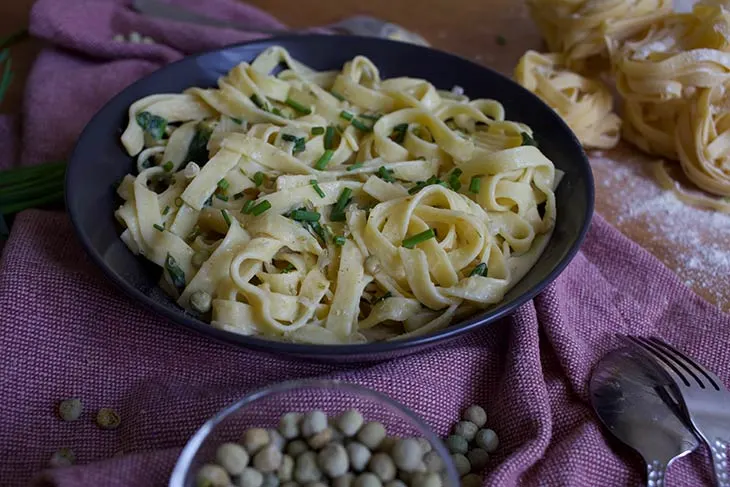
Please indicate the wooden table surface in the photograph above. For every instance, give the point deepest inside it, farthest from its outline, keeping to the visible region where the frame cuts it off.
(686, 240)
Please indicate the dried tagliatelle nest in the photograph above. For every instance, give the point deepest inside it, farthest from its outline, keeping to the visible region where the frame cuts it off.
(672, 71)
(585, 104)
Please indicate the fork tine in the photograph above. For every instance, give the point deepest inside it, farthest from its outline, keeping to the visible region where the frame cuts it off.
(688, 363)
(658, 360)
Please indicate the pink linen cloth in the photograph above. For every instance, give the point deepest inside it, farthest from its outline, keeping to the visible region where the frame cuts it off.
(67, 332)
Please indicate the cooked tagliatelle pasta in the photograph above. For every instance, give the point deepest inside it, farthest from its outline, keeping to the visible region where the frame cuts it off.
(333, 207)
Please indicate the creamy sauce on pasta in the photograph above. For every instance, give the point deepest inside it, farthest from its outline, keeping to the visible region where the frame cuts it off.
(333, 207)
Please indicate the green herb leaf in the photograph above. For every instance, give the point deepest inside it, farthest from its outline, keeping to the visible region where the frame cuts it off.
(319, 191)
(223, 184)
(317, 130)
(358, 124)
(399, 133)
(386, 174)
(258, 178)
(159, 227)
(166, 210)
(198, 147)
(474, 184)
(237, 120)
(175, 272)
(357, 165)
(346, 115)
(289, 268)
(411, 242)
(226, 217)
(221, 197)
(329, 138)
(339, 240)
(305, 216)
(501, 40)
(337, 95)
(168, 166)
(246, 209)
(479, 270)
(259, 102)
(298, 106)
(260, 208)
(528, 140)
(324, 160)
(152, 124)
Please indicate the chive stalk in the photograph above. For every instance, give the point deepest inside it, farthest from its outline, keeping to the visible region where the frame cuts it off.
(418, 238)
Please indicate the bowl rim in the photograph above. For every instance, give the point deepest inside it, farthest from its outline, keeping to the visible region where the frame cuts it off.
(187, 455)
(179, 317)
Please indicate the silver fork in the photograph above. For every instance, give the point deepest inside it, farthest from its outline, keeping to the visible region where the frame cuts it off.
(704, 398)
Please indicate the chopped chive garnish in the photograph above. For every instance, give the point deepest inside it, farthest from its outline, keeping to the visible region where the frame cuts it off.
(246, 209)
(159, 227)
(371, 116)
(399, 133)
(278, 112)
(260, 208)
(357, 165)
(209, 201)
(198, 147)
(178, 202)
(501, 40)
(319, 230)
(476, 182)
(386, 174)
(226, 217)
(258, 178)
(317, 130)
(237, 120)
(299, 145)
(223, 184)
(319, 191)
(166, 210)
(258, 102)
(305, 216)
(238, 196)
(329, 138)
(527, 139)
(154, 125)
(479, 270)
(454, 179)
(346, 115)
(289, 268)
(298, 106)
(324, 160)
(337, 95)
(168, 166)
(343, 199)
(221, 197)
(418, 238)
(340, 240)
(177, 275)
(418, 187)
(358, 124)
(289, 137)
(338, 211)
(383, 297)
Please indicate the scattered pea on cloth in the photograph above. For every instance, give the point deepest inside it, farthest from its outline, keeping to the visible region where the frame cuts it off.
(108, 419)
(70, 409)
(313, 450)
(64, 457)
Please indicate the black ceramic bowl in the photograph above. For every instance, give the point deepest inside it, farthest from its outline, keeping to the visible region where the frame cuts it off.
(98, 161)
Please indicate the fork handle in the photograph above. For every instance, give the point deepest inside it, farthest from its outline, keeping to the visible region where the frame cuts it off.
(655, 471)
(718, 452)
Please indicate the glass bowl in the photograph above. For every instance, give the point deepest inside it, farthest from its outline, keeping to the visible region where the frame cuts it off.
(263, 408)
